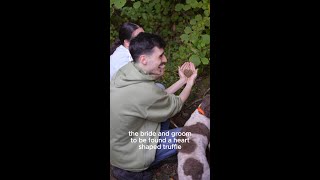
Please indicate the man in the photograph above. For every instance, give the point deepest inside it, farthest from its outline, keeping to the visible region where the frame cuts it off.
(138, 105)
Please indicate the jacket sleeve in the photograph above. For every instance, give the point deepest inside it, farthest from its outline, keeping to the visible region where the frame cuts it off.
(164, 107)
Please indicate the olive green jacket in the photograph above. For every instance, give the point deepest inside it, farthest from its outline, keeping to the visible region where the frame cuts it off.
(136, 104)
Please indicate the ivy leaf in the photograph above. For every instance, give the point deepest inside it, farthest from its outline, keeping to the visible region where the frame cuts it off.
(195, 60)
(119, 3)
(187, 30)
(206, 39)
(205, 61)
(137, 4)
(146, 1)
(184, 37)
(188, 1)
(179, 7)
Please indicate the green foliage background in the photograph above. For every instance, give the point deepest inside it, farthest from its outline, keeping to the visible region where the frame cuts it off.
(183, 24)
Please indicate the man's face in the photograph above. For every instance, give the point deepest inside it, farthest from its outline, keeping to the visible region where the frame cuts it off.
(156, 62)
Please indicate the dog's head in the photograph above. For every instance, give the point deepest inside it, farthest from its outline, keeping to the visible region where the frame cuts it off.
(205, 106)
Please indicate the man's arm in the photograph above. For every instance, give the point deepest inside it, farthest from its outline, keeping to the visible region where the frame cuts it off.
(176, 86)
(190, 82)
(185, 92)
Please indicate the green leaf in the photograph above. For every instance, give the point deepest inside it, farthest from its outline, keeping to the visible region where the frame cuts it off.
(111, 2)
(188, 1)
(179, 7)
(181, 48)
(186, 7)
(193, 37)
(206, 38)
(199, 4)
(207, 12)
(184, 37)
(119, 3)
(137, 4)
(158, 7)
(195, 60)
(146, 1)
(193, 22)
(205, 61)
(198, 17)
(194, 4)
(187, 30)
(194, 50)
(144, 16)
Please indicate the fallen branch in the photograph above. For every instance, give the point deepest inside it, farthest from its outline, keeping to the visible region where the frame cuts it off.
(206, 92)
(173, 123)
(194, 102)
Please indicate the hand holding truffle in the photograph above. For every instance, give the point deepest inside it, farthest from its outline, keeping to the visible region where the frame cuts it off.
(188, 72)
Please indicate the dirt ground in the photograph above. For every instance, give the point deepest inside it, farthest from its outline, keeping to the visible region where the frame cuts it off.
(168, 171)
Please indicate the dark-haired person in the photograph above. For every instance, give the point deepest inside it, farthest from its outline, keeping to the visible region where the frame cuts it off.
(119, 52)
(138, 105)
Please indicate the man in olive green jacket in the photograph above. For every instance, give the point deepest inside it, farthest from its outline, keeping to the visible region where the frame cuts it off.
(138, 105)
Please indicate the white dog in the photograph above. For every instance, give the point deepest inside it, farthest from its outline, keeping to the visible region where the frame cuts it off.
(192, 160)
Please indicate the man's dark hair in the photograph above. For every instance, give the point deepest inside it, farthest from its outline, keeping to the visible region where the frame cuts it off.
(125, 33)
(144, 43)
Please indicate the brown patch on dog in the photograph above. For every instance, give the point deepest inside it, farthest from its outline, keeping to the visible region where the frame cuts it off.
(187, 147)
(205, 105)
(193, 168)
(198, 128)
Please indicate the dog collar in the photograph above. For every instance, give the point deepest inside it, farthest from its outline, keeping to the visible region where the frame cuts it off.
(200, 110)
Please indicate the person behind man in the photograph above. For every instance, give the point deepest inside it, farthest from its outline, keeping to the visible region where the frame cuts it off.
(119, 51)
(137, 104)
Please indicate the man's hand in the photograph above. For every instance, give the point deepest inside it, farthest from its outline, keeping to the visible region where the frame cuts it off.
(181, 71)
(183, 78)
(190, 81)
(194, 75)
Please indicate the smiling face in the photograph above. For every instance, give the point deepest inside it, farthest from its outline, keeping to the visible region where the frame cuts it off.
(156, 62)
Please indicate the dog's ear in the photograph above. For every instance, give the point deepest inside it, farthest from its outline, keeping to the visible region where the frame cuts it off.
(205, 105)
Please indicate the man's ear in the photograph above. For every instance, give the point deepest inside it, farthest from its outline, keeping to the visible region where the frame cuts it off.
(126, 43)
(143, 59)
